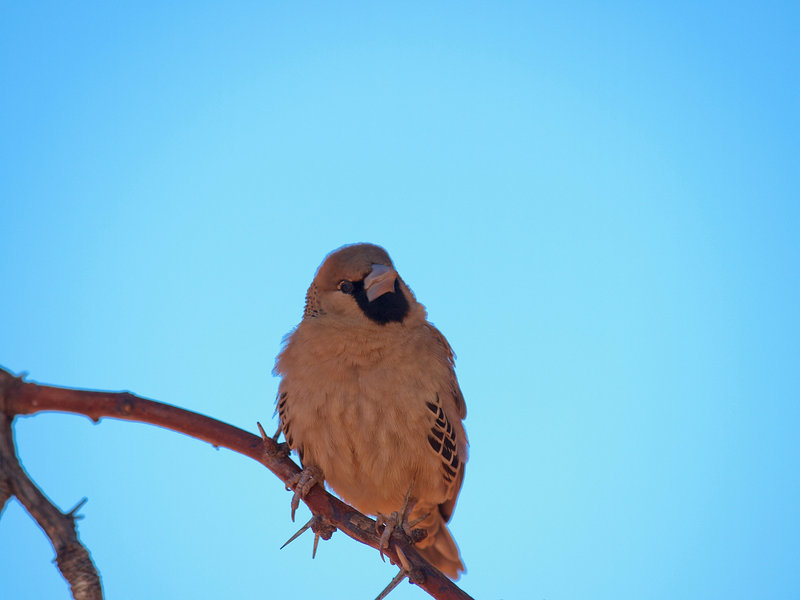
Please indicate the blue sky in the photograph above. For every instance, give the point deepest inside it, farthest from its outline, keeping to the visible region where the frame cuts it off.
(598, 204)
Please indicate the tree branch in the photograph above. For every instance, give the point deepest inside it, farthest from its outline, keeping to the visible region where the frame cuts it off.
(5, 483)
(72, 557)
(24, 398)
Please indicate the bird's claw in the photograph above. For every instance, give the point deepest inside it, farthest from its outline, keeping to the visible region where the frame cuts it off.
(390, 524)
(395, 520)
(302, 484)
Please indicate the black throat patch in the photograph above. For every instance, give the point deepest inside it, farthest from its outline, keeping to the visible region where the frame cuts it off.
(389, 308)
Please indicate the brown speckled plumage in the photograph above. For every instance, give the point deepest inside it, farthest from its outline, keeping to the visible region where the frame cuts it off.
(368, 395)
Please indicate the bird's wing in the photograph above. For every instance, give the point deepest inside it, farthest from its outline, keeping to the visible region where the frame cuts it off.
(443, 438)
(458, 398)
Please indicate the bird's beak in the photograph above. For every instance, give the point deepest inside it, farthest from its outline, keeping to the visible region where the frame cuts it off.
(380, 281)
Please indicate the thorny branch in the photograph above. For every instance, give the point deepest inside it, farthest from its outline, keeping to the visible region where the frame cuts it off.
(72, 557)
(18, 397)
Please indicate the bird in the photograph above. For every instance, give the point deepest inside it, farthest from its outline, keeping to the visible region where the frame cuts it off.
(369, 400)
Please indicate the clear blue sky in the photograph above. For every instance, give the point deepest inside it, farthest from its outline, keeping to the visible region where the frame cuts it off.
(597, 202)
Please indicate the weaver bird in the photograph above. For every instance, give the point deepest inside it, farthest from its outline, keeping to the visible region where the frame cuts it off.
(370, 401)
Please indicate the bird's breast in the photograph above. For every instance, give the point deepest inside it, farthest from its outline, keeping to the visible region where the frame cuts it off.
(361, 417)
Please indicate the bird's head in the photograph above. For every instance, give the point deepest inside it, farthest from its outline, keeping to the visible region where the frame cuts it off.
(359, 281)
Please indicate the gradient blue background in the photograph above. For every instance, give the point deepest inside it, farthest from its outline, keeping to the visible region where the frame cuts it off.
(598, 203)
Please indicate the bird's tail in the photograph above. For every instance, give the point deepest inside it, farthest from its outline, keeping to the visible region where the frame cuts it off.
(439, 547)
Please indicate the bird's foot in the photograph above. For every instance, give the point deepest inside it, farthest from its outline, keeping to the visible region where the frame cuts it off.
(399, 519)
(396, 520)
(390, 524)
(302, 484)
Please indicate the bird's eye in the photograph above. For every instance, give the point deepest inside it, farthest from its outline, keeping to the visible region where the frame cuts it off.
(346, 287)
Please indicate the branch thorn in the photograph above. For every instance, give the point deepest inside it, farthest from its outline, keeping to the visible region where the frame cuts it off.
(316, 543)
(71, 514)
(299, 533)
(392, 584)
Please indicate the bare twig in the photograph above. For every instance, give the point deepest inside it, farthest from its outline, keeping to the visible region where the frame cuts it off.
(26, 398)
(72, 557)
